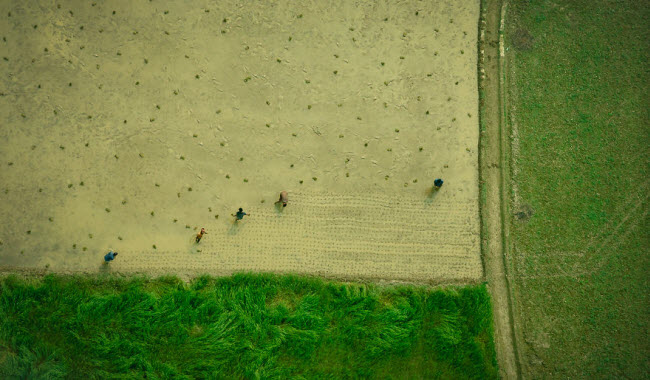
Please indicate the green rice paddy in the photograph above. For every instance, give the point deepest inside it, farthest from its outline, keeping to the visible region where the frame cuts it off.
(245, 326)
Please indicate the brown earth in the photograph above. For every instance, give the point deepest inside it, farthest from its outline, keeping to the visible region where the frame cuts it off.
(493, 172)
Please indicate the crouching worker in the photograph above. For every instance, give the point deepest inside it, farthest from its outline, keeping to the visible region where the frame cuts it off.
(239, 215)
(200, 235)
(284, 199)
(110, 256)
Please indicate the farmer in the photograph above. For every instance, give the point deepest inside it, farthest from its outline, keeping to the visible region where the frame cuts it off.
(109, 256)
(437, 184)
(284, 198)
(240, 214)
(200, 235)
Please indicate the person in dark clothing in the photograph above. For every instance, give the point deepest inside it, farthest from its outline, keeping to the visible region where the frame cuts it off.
(110, 256)
(240, 214)
(437, 184)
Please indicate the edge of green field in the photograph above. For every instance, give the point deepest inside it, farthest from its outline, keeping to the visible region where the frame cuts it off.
(243, 326)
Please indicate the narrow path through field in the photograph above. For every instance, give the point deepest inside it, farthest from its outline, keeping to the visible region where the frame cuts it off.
(493, 168)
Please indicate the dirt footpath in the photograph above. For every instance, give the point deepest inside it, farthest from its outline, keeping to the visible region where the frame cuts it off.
(493, 169)
(131, 125)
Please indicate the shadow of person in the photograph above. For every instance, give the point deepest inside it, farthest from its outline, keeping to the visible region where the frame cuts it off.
(278, 207)
(104, 267)
(192, 246)
(235, 226)
(431, 194)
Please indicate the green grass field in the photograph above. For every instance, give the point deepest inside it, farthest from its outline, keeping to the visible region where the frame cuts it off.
(578, 97)
(244, 326)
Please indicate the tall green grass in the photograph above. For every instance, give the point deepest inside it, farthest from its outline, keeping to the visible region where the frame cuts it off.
(244, 326)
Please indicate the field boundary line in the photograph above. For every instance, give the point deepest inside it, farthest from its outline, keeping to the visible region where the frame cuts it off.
(493, 170)
(508, 132)
(188, 276)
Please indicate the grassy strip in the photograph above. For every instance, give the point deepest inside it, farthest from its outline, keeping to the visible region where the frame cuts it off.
(244, 326)
(579, 98)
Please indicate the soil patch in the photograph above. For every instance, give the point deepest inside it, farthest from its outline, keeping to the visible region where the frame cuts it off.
(523, 40)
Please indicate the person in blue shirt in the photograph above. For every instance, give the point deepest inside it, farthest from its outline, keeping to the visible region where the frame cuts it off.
(437, 184)
(240, 214)
(110, 256)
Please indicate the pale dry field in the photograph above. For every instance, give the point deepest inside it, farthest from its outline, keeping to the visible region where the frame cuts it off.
(128, 125)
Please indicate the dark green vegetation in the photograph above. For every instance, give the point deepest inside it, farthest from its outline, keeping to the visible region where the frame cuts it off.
(245, 326)
(577, 82)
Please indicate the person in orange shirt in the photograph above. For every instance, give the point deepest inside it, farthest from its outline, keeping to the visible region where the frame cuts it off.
(200, 235)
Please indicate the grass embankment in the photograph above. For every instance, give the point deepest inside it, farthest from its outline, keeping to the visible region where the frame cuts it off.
(579, 97)
(245, 326)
